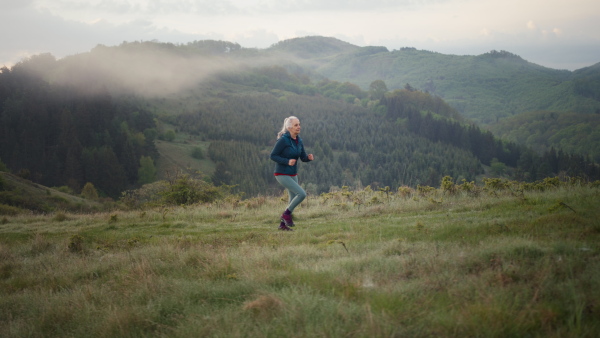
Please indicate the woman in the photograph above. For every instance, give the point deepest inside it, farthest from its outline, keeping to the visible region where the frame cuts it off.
(286, 152)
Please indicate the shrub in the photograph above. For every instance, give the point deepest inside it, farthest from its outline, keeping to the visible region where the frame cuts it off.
(9, 210)
(15, 198)
(405, 191)
(148, 194)
(197, 153)
(448, 185)
(60, 217)
(65, 189)
(424, 190)
(89, 192)
(468, 187)
(265, 306)
(169, 135)
(183, 190)
(75, 244)
(186, 190)
(495, 184)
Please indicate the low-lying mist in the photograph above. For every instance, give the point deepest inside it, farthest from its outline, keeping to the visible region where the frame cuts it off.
(151, 70)
(156, 73)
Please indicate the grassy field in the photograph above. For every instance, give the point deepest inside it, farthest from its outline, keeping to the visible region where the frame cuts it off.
(359, 264)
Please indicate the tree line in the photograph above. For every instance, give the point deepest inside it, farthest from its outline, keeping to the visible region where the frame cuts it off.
(528, 164)
(63, 136)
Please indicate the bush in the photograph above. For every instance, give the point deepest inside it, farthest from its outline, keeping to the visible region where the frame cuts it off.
(186, 190)
(14, 198)
(89, 192)
(75, 244)
(169, 136)
(183, 190)
(65, 189)
(60, 217)
(448, 185)
(197, 153)
(9, 210)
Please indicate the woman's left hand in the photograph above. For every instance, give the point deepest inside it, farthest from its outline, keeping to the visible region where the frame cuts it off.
(311, 157)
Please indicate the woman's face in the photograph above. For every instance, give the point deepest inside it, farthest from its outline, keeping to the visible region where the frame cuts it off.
(295, 128)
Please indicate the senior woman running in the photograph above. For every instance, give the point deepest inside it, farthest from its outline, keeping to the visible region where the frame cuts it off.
(286, 152)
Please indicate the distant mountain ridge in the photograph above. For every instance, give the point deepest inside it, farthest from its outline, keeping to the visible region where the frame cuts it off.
(314, 46)
(485, 88)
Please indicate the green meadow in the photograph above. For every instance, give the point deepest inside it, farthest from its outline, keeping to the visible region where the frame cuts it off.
(459, 261)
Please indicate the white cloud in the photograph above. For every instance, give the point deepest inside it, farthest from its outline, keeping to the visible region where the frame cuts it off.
(485, 32)
(15, 4)
(258, 38)
(344, 5)
(65, 27)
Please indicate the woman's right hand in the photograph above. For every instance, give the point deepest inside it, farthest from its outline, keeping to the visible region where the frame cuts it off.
(292, 162)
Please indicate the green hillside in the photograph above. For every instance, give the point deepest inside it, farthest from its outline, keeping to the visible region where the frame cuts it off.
(115, 115)
(19, 195)
(485, 88)
(543, 130)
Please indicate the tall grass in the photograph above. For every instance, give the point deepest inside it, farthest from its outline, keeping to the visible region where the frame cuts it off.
(359, 264)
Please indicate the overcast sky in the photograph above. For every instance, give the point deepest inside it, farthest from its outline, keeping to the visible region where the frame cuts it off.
(561, 34)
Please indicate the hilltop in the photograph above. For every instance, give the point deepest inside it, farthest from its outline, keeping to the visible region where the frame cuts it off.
(485, 88)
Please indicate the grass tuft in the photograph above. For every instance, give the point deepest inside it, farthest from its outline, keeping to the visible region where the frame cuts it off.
(264, 306)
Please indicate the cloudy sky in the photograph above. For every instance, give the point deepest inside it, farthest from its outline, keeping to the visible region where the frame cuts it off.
(561, 34)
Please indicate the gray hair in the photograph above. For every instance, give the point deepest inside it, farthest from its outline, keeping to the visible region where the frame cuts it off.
(287, 123)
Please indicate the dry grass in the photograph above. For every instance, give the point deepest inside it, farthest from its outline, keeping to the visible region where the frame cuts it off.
(495, 265)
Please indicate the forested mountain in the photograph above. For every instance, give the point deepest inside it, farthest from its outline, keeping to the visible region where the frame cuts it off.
(94, 118)
(62, 135)
(484, 88)
(544, 130)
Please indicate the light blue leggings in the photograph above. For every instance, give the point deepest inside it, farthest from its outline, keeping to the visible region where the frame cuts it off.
(295, 191)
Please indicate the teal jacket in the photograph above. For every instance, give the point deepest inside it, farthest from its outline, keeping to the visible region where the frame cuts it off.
(286, 149)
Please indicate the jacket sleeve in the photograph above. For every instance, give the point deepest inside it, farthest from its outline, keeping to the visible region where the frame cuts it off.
(277, 150)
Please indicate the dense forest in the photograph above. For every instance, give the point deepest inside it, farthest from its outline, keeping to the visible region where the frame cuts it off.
(543, 130)
(72, 121)
(61, 136)
(407, 138)
(353, 146)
